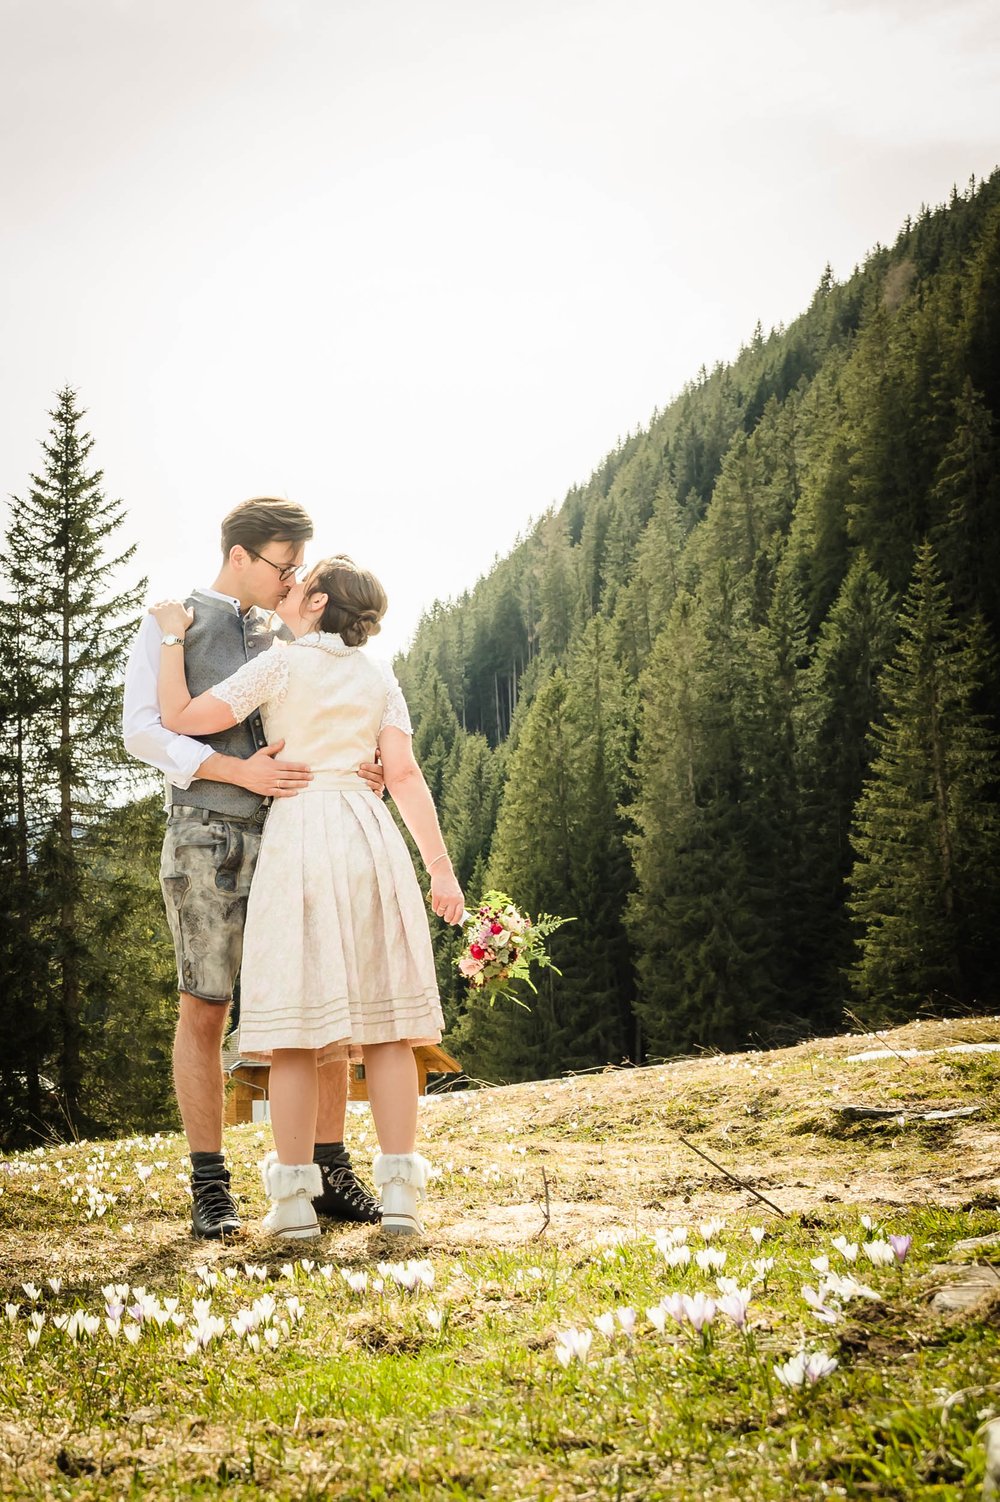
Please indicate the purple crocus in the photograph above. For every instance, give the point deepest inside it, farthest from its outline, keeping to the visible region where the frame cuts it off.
(900, 1245)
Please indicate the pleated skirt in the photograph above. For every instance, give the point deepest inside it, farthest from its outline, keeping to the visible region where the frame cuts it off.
(337, 951)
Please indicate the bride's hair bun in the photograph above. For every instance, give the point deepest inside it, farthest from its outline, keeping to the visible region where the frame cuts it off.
(356, 601)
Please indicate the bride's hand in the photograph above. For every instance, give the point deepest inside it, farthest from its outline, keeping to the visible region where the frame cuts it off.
(172, 616)
(447, 898)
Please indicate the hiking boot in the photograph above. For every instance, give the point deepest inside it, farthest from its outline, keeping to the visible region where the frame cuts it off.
(291, 1187)
(344, 1196)
(214, 1215)
(402, 1180)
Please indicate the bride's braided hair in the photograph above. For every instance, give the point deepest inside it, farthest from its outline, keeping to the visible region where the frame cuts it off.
(356, 600)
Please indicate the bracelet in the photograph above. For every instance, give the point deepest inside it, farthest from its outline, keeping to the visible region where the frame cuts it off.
(442, 857)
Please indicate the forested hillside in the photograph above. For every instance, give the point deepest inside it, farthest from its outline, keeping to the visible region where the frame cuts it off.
(734, 704)
(733, 707)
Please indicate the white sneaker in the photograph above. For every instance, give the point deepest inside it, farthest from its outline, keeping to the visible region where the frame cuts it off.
(401, 1179)
(292, 1187)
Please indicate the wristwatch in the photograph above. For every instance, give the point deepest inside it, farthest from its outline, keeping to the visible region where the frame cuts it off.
(172, 641)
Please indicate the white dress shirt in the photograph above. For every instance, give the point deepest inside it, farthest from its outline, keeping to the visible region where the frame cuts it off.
(178, 757)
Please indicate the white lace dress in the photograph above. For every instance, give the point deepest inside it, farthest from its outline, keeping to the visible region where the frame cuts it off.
(337, 951)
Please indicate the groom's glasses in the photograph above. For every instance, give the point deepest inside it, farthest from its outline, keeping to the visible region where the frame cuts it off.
(297, 571)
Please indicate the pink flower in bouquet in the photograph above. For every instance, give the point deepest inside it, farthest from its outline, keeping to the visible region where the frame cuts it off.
(469, 966)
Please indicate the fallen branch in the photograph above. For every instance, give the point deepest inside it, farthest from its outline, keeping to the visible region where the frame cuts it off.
(548, 1207)
(731, 1176)
(888, 1113)
(865, 1029)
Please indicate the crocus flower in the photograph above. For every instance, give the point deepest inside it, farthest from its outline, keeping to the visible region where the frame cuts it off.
(735, 1305)
(846, 1287)
(814, 1297)
(879, 1253)
(626, 1319)
(605, 1323)
(900, 1246)
(758, 1233)
(700, 1310)
(819, 1364)
(572, 1345)
(806, 1367)
(847, 1249)
(673, 1304)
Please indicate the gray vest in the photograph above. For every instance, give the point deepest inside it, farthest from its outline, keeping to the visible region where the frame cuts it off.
(216, 645)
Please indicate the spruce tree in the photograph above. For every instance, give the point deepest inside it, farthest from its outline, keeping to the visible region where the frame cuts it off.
(531, 860)
(926, 830)
(699, 917)
(842, 703)
(966, 498)
(24, 954)
(74, 639)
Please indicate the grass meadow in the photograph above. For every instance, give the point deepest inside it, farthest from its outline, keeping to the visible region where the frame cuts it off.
(596, 1311)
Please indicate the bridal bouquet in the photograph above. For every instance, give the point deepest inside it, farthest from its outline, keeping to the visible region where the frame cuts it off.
(501, 944)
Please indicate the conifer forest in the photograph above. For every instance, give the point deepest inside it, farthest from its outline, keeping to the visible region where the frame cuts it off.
(734, 706)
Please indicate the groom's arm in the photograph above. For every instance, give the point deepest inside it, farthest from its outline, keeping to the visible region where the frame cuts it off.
(179, 757)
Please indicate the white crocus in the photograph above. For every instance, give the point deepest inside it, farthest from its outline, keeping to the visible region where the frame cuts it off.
(814, 1297)
(847, 1249)
(735, 1305)
(879, 1253)
(572, 1345)
(699, 1309)
(626, 1319)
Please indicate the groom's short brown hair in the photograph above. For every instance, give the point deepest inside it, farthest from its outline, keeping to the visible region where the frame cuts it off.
(253, 523)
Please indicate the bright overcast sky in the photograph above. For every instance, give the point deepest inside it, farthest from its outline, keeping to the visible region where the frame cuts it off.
(419, 263)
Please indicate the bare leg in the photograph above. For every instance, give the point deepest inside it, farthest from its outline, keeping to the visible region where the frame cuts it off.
(198, 1071)
(293, 1092)
(391, 1073)
(331, 1113)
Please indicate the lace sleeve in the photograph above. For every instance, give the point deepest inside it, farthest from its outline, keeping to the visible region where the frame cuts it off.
(395, 712)
(255, 683)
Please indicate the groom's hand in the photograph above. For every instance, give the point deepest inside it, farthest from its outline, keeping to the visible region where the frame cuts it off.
(261, 773)
(277, 779)
(374, 776)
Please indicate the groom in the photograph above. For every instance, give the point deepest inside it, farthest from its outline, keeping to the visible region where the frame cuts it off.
(218, 791)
